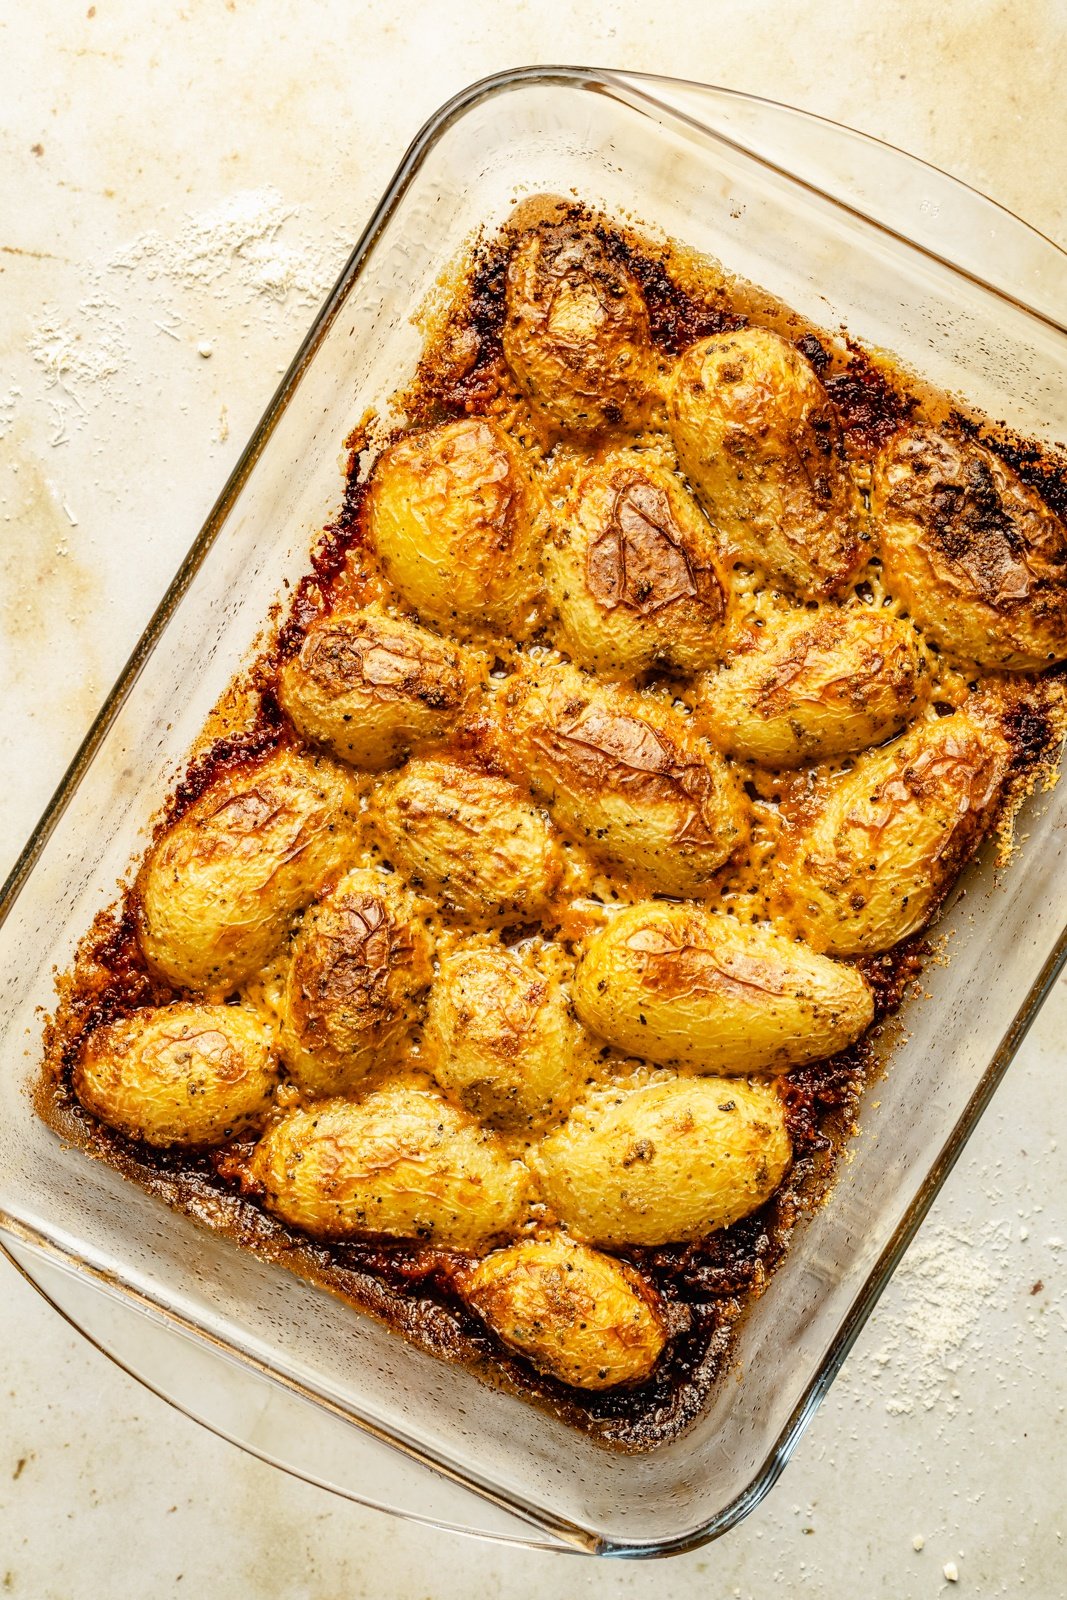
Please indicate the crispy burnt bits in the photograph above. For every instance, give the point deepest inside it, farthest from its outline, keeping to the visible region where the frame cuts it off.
(976, 556)
(889, 837)
(811, 686)
(370, 687)
(632, 571)
(451, 514)
(678, 984)
(220, 886)
(576, 334)
(625, 775)
(759, 440)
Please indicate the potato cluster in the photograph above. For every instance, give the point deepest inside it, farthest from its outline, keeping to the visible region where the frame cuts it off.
(659, 679)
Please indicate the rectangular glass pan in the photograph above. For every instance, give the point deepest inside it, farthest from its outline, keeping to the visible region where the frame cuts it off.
(713, 170)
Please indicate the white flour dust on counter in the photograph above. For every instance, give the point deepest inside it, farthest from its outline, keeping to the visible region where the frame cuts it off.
(952, 1292)
(236, 250)
(250, 267)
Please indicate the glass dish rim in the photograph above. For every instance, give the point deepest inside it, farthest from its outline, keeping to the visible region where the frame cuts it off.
(622, 83)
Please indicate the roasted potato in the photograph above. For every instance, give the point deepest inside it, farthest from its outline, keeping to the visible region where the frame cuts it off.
(976, 556)
(502, 1037)
(759, 440)
(370, 687)
(220, 886)
(471, 839)
(676, 983)
(183, 1074)
(572, 1312)
(814, 686)
(451, 517)
(632, 571)
(891, 835)
(401, 1164)
(667, 1163)
(623, 773)
(359, 964)
(576, 334)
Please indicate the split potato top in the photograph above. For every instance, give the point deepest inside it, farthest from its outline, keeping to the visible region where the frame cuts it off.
(451, 519)
(811, 686)
(677, 983)
(356, 973)
(977, 557)
(184, 1074)
(219, 889)
(576, 334)
(633, 571)
(761, 444)
(370, 687)
(627, 776)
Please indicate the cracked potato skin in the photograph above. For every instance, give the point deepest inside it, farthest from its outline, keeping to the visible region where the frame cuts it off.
(359, 966)
(184, 1074)
(470, 838)
(401, 1164)
(759, 440)
(369, 687)
(220, 886)
(502, 1037)
(451, 515)
(626, 776)
(632, 571)
(891, 835)
(681, 985)
(976, 556)
(574, 1313)
(576, 334)
(813, 687)
(665, 1164)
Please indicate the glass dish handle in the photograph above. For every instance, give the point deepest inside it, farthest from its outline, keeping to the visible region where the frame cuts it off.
(903, 194)
(251, 1410)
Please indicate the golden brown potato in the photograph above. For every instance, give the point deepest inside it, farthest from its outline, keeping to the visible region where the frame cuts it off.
(759, 440)
(502, 1037)
(370, 687)
(666, 1163)
(624, 773)
(358, 965)
(632, 571)
(184, 1074)
(813, 686)
(219, 888)
(471, 839)
(576, 333)
(451, 517)
(676, 983)
(892, 834)
(400, 1164)
(572, 1312)
(977, 557)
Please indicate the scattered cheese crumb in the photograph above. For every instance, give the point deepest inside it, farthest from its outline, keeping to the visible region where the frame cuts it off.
(951, 1571)
(918, 1542)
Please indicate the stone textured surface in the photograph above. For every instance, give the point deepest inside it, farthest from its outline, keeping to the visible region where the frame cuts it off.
(132, 367)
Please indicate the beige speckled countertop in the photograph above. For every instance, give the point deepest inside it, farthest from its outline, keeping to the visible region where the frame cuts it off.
(178, 194)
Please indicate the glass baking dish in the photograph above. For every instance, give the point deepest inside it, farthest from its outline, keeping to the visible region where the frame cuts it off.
(845, 230)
